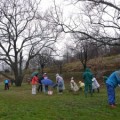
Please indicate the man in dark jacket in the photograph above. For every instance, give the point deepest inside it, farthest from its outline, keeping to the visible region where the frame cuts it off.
(40, 84)
(87, 76)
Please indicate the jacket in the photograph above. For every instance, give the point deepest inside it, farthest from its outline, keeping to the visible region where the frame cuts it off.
(87, 76)
(34, 80)
(114, 79)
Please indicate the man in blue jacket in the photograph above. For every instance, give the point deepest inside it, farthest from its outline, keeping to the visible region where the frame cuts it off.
(111, 83)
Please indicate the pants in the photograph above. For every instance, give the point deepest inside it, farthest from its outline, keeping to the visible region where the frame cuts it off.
(45, 88)
(6, 86)
(33, 89)
(40, 87)
(97, 90)
(111, 94)
(88, 88)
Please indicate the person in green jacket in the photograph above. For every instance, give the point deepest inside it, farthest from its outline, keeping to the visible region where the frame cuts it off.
(87, 76)
(105, 78)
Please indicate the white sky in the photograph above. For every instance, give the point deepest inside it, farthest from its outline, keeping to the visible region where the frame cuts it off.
(67, 9)
(46, 4)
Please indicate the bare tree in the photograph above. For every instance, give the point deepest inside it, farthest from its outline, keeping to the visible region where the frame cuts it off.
(23, 34)
(102, 21)
(59, 64)
(44, 58)
(84, 50)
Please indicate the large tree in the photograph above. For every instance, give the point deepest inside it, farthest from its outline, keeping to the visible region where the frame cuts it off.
(23, 34)
(100, 17)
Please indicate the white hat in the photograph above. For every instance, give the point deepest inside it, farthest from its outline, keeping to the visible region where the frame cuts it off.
(57, 74)
(71, 78)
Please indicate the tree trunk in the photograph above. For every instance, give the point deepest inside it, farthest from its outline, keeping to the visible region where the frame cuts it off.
(84, 65)
(18, 81)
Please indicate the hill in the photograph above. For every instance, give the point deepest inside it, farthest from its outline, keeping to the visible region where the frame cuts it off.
(101, 66)
(97, 64)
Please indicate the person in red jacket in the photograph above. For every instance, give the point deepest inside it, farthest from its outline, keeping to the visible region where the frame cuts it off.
(34, 83)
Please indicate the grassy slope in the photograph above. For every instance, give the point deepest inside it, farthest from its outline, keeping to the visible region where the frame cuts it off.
(101, 63)
(19, 104)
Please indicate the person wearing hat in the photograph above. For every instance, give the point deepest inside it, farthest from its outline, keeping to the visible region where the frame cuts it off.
(34, 83)
(40, 86)
(45, 87)
(87, 76)
(95, 85)
(60, 83)
(45, 76)
(73, 85)
(111, 83)
(81, 85)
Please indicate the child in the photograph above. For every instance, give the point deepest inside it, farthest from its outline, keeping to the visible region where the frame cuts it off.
(34, 83)
(95, 85)
(81, 85)
(73, 85)
(6, 82)
(60, 83)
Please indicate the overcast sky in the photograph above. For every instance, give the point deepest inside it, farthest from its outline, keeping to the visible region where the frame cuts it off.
(69, 9)
(46, 4)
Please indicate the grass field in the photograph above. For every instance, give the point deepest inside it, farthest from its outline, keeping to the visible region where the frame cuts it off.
(19, 104)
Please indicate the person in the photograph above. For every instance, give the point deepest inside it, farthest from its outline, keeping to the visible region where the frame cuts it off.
(87, 76)
(45, 76)
(34, 83)
(6, 82)
(45, 87)
(81, 85)
(60, 83)
(73, 85)
(95, 85)
(111, 83)
(105, 78)
(40, 86)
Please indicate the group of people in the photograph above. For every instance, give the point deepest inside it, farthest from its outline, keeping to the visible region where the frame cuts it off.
(45, 84)
(90, 84)
(86, 85)
(111, 83)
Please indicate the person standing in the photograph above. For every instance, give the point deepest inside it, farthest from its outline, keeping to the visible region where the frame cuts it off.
(111, 83)
(45, 87)
(6, 82)
(34, 83)
(40, 86)
(95, 85)
(81, 85)
(87, 76)
(60, 83)
(73, 85)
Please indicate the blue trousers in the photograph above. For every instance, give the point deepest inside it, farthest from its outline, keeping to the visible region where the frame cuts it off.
(111, 94)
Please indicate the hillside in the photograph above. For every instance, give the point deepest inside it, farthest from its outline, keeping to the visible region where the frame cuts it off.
(109, 63)
(101, 66)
